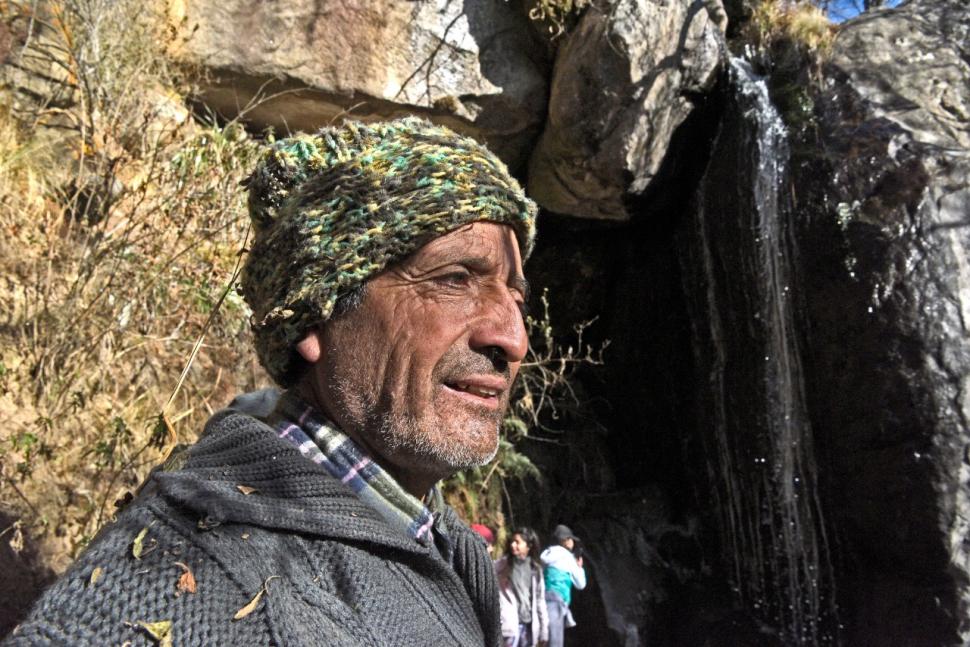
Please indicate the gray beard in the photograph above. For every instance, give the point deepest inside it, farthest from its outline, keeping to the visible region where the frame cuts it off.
(404, 435)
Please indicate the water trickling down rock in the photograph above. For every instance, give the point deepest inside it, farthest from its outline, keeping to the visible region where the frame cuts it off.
(759, 448)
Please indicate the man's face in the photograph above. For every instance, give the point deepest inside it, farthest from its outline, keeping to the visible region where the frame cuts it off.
(421, 371)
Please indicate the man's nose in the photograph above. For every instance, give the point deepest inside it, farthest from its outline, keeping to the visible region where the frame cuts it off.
(500, 330)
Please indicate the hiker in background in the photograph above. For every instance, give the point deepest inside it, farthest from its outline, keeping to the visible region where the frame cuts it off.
(486, 533)
(563, 571)
(525, 621)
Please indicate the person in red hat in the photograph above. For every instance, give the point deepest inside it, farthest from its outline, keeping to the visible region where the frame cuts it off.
(486, 533)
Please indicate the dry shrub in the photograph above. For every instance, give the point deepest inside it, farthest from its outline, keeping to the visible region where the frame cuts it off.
(801, 24)
(122, 225)
(557, 15)
(542, 392)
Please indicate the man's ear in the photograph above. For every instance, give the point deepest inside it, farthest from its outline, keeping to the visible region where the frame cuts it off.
(310, 347)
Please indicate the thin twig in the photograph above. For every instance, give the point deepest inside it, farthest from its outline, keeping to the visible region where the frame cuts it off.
(208, 322)
(23, 496)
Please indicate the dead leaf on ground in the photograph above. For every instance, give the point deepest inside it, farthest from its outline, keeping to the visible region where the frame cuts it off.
(17, 539)
(138, 546)
(249, 608)
(186, 583)
(160, 632)
(245, 489)
(96, 575)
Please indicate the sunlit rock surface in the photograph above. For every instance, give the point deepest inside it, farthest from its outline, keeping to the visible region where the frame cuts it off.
(912, 65)
(624, 80)
(475, 66)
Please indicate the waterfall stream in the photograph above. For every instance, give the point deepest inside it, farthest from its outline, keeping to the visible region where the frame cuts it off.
(757, 436)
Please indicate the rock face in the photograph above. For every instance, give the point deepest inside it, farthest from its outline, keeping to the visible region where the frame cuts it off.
(883, 200)
(872, 275)
(474, 66)
(912, 65)
(624, 80)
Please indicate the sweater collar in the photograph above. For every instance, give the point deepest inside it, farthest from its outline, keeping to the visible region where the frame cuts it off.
(319, 440)
(241, 471)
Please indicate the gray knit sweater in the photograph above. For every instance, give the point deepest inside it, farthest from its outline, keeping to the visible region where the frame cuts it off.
(334, 572)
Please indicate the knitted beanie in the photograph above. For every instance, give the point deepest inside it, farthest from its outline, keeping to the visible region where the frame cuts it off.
(332, 209)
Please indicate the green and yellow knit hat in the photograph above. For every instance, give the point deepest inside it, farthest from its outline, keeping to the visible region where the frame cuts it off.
(332, 209)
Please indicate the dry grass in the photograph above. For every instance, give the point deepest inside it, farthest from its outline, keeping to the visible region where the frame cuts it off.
(557, 14)
(802, 24)
(122, 223)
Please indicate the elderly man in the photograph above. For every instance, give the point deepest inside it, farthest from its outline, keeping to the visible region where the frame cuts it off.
(386, 287)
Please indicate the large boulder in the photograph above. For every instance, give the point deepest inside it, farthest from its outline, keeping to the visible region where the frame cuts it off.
(298, 65)
(912, 66)
(624, 80)
(882, 188)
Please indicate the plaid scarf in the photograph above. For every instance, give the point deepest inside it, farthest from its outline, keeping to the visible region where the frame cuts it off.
(319, 440)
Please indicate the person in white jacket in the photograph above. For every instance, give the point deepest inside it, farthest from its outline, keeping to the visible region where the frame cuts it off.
(563, 571)
(522, 602)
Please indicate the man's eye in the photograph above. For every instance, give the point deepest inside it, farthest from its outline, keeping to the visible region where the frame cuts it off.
(455, 278)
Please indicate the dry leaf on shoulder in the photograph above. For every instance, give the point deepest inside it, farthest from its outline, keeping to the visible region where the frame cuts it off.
(160, 632)
(186, 583)
(17, 540)
(249, 608)
(138, 546)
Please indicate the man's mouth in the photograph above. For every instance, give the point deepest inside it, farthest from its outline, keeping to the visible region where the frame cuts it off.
(482, 390)
(475, 389)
